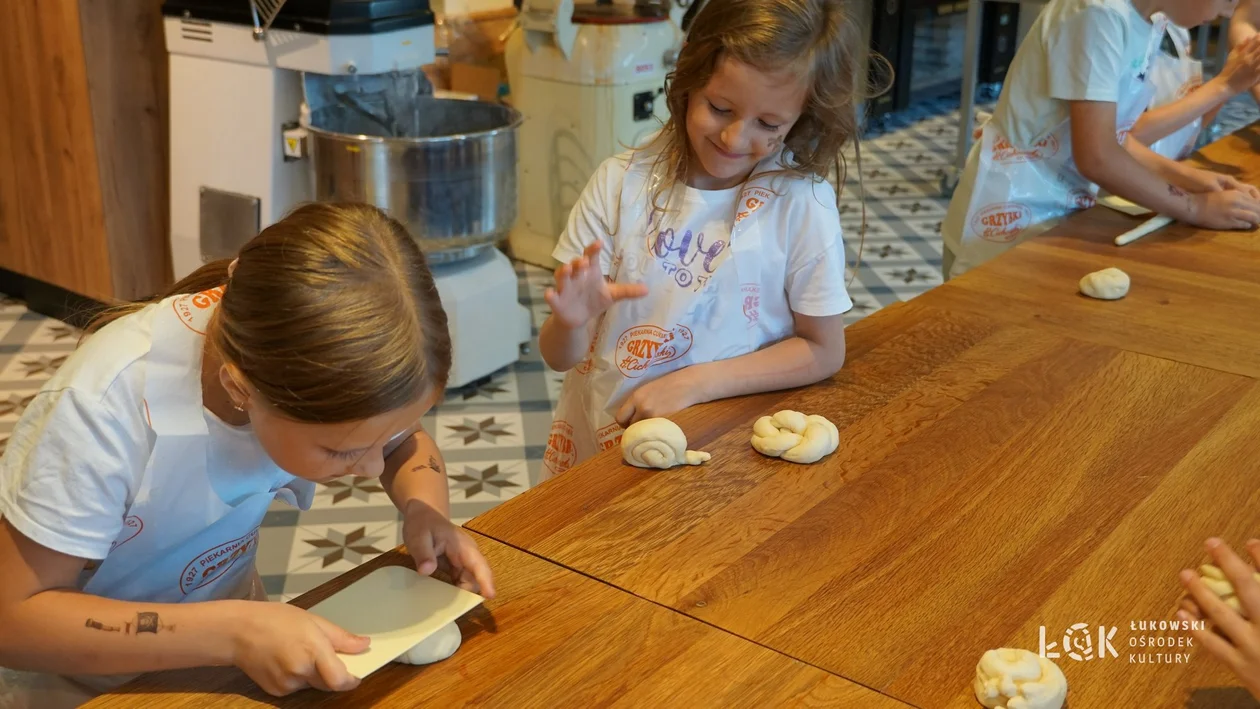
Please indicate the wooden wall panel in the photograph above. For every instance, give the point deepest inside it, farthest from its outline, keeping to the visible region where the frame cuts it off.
(51, 218)
(127, 80)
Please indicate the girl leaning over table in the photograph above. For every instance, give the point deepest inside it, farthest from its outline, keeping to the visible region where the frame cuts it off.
(133, 487)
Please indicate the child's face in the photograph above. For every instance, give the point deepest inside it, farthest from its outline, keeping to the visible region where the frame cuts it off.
(323, 452)
(1192, 13)
(740, 117)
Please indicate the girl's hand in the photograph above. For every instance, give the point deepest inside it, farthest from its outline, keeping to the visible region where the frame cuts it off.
(1224, 210)
(583, 294)
(1236, 641)
(284, 648)
(1208, 181)
(1242, 67)
(428, 534)
(662, 397)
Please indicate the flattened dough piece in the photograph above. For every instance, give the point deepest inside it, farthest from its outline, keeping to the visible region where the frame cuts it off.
(1008, 678)
(658, 443)
(1107, 284)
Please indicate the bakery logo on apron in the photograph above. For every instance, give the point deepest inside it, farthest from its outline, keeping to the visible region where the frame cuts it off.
(213, 564)
(686, 249)
(750, 200)
(561, 454)
(132, 527)
(1080, 199)
(646, 346)
(608, 436)
(752, 302)
(1005, 153)
(1001, 223)
(191, 308)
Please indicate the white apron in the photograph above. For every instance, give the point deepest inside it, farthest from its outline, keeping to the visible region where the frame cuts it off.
(1174, 78)
(1021, 193)
(180, 542)
(701, 308)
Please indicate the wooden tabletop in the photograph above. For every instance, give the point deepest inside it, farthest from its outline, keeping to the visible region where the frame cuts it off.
(552, 638)
(1195, 294)
(991, 479)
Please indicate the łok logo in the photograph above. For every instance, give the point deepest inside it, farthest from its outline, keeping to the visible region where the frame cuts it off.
(1078, 644)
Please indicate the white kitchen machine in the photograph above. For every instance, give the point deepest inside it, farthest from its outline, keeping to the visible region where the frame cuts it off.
(276, 103)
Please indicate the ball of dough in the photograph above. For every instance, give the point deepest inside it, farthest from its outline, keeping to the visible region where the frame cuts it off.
(658, 443)
(795, 437)
(1107, 284)
(1018, 679)
(435, 648)
(1215, 580)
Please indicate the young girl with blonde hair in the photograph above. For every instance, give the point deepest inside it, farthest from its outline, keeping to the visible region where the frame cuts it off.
(710, 263)
(135, 482)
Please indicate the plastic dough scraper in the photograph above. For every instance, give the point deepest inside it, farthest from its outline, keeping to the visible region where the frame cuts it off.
(397, 608)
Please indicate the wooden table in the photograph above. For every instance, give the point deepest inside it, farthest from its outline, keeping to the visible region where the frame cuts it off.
(1013, 455)
(553, 638)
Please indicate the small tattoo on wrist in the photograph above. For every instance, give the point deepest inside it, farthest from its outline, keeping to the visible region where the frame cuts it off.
(1176, 191)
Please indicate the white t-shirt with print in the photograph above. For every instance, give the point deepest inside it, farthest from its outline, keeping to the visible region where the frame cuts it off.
(77, 456)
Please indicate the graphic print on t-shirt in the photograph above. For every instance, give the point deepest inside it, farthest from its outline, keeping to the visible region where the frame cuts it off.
(690, 258)
(212, 564)
(644, 346)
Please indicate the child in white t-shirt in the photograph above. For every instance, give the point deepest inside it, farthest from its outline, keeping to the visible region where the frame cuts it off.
(710, 264)
(1077, 86)
(1183, 103)
(133, 487)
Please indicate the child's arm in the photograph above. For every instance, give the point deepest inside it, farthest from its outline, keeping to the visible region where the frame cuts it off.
(1100, 159)
(50, 628)
(1241, 72)
(415, 480)
(816, 352)
(1242, 27)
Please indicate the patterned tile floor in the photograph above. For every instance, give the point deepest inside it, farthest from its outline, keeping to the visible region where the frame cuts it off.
(493, 434)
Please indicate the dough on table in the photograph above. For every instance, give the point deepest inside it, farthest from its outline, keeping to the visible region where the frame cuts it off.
(1107, 284)
(795, 437)
(435, 648)
(1007, 678)
(658, 443)
(1215, 580)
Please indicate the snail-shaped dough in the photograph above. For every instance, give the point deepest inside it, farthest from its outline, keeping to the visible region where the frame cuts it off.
(1019, 679)
(435, 648)
(795, 437)
(1107, 284)
(1215, 579)
(658, 443)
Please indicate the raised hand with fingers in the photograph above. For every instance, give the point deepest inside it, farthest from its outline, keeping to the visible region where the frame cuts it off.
(582, 293)
(1242, 67)
(1235, 640)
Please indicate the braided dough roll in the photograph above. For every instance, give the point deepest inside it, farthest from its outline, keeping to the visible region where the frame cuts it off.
(795, 437)
(1019, 679)
(658, 443)
(1215, 580)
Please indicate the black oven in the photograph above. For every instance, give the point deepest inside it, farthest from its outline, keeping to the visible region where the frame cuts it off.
(923, 41)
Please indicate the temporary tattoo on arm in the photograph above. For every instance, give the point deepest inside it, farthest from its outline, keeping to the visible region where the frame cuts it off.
(433, 465)
(1176, 191)
(98, 625)
(146, 622)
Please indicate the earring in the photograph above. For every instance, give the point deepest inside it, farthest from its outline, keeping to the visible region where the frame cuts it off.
(237, 406)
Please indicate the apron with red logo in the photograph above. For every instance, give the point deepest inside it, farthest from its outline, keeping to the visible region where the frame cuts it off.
(704, 304)
(1020, 193)
(180, 542)
(1174, 78)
